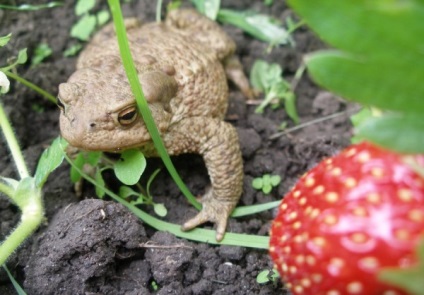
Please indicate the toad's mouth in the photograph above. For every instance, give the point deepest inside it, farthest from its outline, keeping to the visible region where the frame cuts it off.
(102, 137)
(109, 147)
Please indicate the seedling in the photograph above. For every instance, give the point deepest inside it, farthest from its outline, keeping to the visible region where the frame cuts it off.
(14, 62)
(25, 193)
(128, 169)
(145, 197)
(86, 24)
(267, 276)
(266, 182)
(42, 51)
(261, 26)
(267, 78)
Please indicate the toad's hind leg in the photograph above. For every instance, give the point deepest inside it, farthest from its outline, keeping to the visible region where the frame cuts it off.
(217, 142)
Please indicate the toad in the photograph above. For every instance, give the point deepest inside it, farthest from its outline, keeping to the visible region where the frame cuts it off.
(182, 64)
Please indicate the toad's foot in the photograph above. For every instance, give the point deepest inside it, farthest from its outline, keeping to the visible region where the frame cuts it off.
(212, 211)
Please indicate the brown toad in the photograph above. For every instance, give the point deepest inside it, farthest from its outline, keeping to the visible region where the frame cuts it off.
(182, 64)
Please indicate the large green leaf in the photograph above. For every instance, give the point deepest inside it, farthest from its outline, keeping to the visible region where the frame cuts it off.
(370, 27)
(384, 84)
(403, 133)
(381, 61)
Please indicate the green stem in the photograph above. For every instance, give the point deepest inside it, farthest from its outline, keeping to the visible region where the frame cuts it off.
(13, 144)
(131, 72)
(31, 218)
(32, 86)
(158, 10)
(7, 190)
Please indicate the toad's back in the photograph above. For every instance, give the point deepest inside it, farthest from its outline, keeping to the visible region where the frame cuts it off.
(197, 68)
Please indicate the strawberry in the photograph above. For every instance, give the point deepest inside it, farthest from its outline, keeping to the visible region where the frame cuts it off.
(348, 218)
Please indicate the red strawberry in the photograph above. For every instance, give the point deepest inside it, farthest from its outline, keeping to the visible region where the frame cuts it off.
(346, 219)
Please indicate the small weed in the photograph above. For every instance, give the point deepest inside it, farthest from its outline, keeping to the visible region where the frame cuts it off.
(86, 24)
(266, 182)
(41, 52)
(267, 78)
(266, 276)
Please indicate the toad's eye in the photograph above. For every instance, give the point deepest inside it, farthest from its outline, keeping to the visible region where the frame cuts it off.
(60, 104)
(127, 116)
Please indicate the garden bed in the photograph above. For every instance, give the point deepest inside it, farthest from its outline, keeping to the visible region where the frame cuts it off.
(92, 246)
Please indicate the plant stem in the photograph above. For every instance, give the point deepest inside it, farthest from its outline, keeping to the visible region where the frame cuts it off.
(32, 216)
(158, 10)
(131, 72)
(32, 86)
(13, 144)
(7, 190)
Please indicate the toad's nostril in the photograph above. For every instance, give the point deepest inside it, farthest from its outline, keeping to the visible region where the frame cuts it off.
(92, 125)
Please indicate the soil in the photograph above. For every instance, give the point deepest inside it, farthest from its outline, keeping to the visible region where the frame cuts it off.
(92, 246)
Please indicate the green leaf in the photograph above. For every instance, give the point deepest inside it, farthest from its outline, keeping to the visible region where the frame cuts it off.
(130, 166)
(401, 132)
(22, 56)
(290, 106)
(200, 5)
(5, 39)
(264, 75)
(259, 26)
(371, 66)
(103, 17)
(100, 192)
(84, 27)
(272, 31)
(275, 180)
(93, 158)
(386, 27)
(267, 188)
(377, 83)
(266, 276)
(266, 178)
(174, 4)
(361, 116)
(212, 8)
(84, 6)
(257, 183)
(73, 50)
(79, 162)
(16, 285)
(41, 52)
(357, 119)
(49, 161)
(160, 210)
(257, 75)
(126, 191)
(410, 278)
(262, 277)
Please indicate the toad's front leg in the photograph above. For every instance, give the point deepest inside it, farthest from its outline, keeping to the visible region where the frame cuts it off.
(217, 142)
